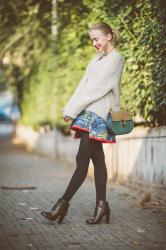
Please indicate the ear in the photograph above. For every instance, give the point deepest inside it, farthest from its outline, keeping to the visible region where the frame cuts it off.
(109, 37)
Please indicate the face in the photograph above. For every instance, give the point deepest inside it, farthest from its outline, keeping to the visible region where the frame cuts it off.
(99, 40)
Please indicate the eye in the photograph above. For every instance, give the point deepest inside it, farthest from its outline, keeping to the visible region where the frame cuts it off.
(95, 39)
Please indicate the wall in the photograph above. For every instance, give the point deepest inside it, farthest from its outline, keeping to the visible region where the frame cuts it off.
(137, 159)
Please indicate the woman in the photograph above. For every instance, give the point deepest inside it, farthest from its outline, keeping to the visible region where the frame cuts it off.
(87, 110)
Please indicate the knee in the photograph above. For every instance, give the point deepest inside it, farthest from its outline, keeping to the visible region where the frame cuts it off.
(83, 155)
(82, 164)
(78, 159)
(98, 156)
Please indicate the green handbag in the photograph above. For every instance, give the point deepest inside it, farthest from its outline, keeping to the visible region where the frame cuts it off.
(119, 123)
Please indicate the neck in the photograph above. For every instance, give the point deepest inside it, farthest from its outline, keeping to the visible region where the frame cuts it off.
(109, 49)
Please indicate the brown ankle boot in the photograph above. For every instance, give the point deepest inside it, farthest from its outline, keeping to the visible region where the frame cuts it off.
(59, 210)
(101, 209)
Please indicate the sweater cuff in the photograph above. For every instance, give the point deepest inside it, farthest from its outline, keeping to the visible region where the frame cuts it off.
(68, 113)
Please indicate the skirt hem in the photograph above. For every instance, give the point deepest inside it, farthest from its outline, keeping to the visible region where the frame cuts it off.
(77, 128)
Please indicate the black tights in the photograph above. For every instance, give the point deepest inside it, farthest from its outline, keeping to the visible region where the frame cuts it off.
(93, 149)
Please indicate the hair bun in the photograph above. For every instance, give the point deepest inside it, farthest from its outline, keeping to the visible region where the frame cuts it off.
(116, 36)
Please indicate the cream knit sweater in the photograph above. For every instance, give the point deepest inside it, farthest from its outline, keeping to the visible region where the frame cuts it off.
(98, 90)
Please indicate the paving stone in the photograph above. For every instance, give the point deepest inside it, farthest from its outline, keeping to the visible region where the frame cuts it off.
(22, 226)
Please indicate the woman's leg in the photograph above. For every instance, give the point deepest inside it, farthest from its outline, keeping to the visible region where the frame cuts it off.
(86, 147)
(100, 172)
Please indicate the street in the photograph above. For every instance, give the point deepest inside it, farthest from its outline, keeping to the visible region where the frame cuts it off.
(31, 183)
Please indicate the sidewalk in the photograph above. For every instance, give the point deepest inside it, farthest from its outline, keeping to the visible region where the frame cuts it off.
(22, 226)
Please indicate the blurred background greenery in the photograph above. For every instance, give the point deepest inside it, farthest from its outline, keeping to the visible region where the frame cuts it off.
(45, 47)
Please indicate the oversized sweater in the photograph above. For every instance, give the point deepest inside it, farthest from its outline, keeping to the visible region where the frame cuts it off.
(98, 90)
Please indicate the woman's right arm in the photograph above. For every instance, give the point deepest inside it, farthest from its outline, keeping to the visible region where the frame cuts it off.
(78, 90)
(80, 85)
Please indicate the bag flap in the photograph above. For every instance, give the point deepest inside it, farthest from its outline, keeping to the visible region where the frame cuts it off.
(120, 115)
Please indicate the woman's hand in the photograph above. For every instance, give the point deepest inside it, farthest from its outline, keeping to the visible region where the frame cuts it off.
(67, 119)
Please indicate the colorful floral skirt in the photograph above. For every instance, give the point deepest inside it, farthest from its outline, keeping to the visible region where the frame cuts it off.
(94, 124)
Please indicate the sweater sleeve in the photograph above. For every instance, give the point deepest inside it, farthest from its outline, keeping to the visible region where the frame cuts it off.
(105, 81)
(77, 92)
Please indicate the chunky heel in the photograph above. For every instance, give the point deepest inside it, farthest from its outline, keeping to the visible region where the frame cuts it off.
(107, 217)
(102, 209)
(61, 217)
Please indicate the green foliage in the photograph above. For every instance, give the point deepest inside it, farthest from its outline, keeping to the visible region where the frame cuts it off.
(39, 96)
(25, 27)
(141, 25)
(2, 81)
(46, 73)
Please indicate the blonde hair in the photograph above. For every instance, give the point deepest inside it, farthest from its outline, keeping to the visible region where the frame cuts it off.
(106, 29)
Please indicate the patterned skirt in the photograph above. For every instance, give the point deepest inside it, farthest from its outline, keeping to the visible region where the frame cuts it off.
(94, 124)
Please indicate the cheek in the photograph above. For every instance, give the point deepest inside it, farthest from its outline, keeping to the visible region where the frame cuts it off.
(102, 42)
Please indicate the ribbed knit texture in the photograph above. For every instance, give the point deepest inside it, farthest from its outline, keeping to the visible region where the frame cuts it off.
(98, 90)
